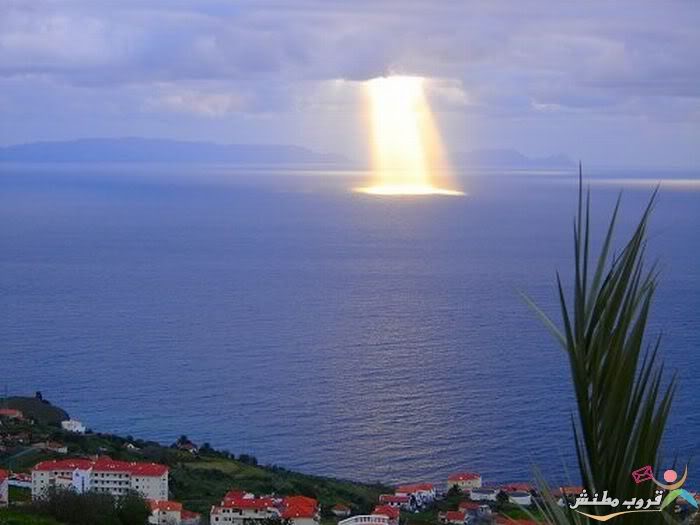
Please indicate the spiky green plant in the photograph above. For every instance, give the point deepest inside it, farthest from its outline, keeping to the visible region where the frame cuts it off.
(622, 398)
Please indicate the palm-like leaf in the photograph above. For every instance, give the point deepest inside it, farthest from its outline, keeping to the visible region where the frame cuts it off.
(622, 399)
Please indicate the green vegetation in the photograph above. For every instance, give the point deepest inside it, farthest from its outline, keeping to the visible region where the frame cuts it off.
(201, 482)
(197, 480)
(20, 495)
(19, 517)
(622, 397)
(90, 508)
(36, 408)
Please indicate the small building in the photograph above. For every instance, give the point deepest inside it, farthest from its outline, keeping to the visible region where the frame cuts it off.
(469, 506)
(475, 510)
(520, 498)
(400, 502)
(300, 510)
(20, 480)
(73, 425)
(390, 512)
(465, 481)
(519, 487)
(188, 446)
(187, 517)
(237, 508)
(340, 511)
(421, 493)
(165, 512)
(11, 413)
(484, 494)
(4, 488)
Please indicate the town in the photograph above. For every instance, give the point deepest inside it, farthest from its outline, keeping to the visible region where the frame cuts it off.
(74, 460)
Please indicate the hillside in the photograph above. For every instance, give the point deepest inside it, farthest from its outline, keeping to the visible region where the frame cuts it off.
(40, 410)
(197, 480)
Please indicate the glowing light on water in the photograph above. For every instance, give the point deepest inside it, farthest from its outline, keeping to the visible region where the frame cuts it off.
(407, 154)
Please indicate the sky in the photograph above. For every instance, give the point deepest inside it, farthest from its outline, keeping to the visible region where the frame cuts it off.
(611, 83)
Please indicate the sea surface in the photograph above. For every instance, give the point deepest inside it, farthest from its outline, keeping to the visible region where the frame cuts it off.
(274, 312)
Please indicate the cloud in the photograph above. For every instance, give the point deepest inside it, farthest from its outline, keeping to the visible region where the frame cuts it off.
(490, 60)
(196, 103)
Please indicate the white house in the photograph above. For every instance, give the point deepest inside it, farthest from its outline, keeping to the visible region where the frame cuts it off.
(300, 510)
(242, 510)
(484, 494)
(421, 493)
(4, 488)
(465, 481)
(392, 513)
(101, 475)
(520, 498)
(393, 500)
(73, 425)
(23, 481)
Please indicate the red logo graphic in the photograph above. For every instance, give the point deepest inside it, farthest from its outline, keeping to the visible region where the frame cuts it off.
(642, 474)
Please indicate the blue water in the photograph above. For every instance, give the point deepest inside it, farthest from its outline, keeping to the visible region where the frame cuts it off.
(325, 331)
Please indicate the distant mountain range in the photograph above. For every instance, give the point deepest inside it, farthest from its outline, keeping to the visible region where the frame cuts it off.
(501, 158)
(161, 150)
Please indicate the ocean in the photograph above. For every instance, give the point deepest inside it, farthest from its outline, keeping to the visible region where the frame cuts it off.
(273, 312)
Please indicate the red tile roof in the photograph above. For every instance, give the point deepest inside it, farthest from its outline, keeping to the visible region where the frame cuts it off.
(103, 464)
(165, 505)
(299, 507)
(189, 515)
(64, 464)
(148, 469)
(464, 476)
(248, 503)
(518, 487)
(11, 412)
(340, 506)
(455, 515)
(569, 491)
(3, 475)
(386, 510)
(415, 487)
(469, 505)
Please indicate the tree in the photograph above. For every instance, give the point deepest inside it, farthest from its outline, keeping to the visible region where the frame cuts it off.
(502, 499)
(90, 508)
(622, 395)
(132, 509)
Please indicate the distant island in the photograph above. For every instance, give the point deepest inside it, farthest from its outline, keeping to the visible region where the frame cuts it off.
(133, 149)
(509, 158)
(145, 150)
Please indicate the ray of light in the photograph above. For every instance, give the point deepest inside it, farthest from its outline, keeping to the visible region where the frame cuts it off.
(407, 153)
